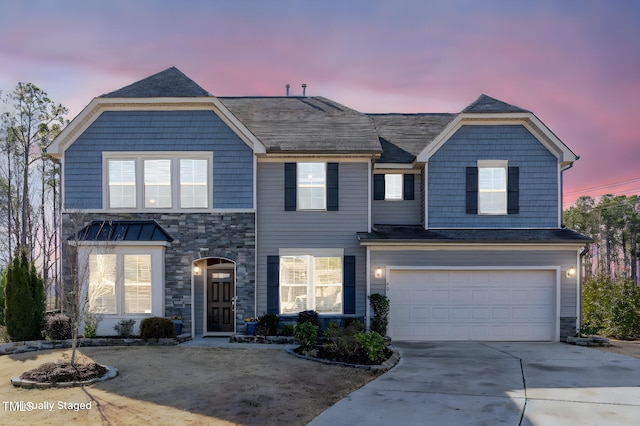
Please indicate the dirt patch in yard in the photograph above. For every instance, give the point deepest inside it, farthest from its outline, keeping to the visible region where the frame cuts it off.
(181, 385)
(624, 347)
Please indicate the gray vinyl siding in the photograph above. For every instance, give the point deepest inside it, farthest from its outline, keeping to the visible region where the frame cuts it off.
(278, 228)
(399, 212)
(538, 200)
(154, 131)
(499, 258)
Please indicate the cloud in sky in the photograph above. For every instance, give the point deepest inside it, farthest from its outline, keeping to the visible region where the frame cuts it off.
(575, 64)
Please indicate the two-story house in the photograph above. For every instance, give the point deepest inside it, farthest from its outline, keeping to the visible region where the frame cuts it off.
(218, 208)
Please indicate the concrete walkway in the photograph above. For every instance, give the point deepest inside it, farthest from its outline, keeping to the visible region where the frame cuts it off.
(472, 383)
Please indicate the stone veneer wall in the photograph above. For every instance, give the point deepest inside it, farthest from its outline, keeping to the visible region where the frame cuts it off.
(227, 235)
(567, 327)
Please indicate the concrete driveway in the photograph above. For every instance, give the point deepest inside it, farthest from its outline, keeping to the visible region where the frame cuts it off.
(473, 383)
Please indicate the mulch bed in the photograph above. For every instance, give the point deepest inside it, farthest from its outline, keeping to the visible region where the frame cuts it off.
(63, 372)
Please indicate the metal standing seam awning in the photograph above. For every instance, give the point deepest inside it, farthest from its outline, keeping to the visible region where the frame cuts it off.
(122, 230)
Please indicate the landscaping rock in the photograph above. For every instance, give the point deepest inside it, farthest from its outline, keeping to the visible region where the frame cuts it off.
(588, 341)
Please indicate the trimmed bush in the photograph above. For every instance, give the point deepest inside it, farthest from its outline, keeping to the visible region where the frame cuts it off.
(124, 328)
(310, 317)
(157, 328)
(380, 308)
(372, 345)
(58, 327)
(287, 329)
(306, 334)
(90, 326)
(269, 323)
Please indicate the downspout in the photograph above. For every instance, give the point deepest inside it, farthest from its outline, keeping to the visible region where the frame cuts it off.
(255, 232)
(367, 316)
(579, 256)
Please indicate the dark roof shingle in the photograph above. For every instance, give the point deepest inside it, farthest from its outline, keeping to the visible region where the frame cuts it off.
(417, 234)
(487, 104)
(170, 83)
(404, 136)
(305, 124)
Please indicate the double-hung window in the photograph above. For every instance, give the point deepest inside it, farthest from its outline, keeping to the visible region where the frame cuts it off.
(172, 180)
(394, 186)
(122, 281)
(122, 183)
(492, 187)
(119, 283)
(312, 186)
(311, 281)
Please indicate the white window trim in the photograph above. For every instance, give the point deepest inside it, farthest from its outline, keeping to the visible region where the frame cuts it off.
(495, 164)
(298, 186)
(175, 157)
(157, 276)
(314, 252)
(400, 196)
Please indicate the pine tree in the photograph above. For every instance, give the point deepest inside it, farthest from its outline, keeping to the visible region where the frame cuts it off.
(24, 300)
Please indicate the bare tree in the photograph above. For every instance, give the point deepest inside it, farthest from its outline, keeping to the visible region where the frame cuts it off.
(30, 125)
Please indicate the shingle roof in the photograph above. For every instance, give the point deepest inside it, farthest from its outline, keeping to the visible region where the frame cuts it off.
(404, 136)
(487, 104)
(122, 230)
(305, 124)
(417, 234)
(169, 83)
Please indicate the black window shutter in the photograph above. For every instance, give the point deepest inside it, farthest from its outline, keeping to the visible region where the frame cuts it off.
(290, 186)
(513, 191)
(349, 284)
(378, 187)
(472, 190)
(332, 186)
(273, 284)
(408, 187)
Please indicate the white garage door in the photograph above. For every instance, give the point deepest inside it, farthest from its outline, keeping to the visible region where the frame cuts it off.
(472, 305)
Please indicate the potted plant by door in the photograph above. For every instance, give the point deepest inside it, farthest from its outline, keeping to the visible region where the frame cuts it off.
(177, 322)
(251, 325)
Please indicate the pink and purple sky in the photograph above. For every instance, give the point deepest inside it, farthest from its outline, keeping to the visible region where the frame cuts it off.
(574, 63)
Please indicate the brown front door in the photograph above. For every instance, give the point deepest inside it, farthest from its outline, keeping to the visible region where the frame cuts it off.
(220, 295)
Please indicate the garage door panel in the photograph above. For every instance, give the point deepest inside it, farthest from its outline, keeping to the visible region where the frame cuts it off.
(439, 296)
(472, 305)
(481, 296)
(481, 313)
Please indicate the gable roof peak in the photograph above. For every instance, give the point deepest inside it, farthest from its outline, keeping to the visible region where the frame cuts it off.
(169, 83)
(487, 104)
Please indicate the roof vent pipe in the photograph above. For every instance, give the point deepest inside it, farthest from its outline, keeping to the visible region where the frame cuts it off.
(304, 89)
(288, 86)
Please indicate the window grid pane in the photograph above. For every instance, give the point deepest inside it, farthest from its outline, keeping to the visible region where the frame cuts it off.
(492, 194)
(312, 186)
(393, 186)
(122, 183)
(157, 183)
(308, 282)
(137, 284)
(328, 284)
(102, 284)
(193, 184)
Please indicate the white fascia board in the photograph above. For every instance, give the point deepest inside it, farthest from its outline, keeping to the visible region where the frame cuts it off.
(327, 158)
(406, 246)
(393, 166)
(526, 119)
(99, 105)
